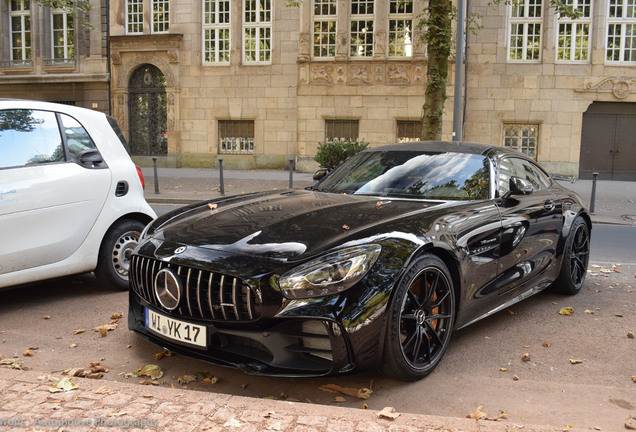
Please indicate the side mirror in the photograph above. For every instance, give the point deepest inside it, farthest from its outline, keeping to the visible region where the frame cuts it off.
(519, 186)
(320, 174)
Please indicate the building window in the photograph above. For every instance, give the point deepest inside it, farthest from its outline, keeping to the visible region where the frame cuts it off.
(409, 130)
(362, 28)
(236, 136)
(63, 37)
(325, 17)
(216, 31)
(134, 16)
(257, 35)
(400, 28)
(522, 137)
(621, 31)
(341, 130)
(573, 38)
(160, 16)
(20, 28)
(525, 31)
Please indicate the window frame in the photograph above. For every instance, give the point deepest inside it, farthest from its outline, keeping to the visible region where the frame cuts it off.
(216, 28)
(352, 123)
(622, 22)
(519, 138)
(240, 124)
(134, 26)
(328, 19)
(575, 25)
(259, 26)
(406, 124)
(404, 17)
(525, 21)
(25, 48)
(155, 21)
(66, 45)
(365, 18)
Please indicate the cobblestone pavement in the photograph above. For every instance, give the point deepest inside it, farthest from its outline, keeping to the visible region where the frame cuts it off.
(26, 404)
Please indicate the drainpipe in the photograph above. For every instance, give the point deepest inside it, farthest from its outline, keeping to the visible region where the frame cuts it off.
(459, 73)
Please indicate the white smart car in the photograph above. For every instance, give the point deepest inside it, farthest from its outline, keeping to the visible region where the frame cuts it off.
(71, 199)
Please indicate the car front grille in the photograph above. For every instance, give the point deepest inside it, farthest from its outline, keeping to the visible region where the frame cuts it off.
(206, 295)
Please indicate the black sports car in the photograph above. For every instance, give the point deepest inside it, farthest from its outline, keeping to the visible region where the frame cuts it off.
(374, 266)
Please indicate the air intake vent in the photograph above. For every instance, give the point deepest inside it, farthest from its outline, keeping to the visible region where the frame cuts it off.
(122, 189)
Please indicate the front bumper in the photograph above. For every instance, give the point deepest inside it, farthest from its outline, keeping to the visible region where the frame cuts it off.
(283, 347)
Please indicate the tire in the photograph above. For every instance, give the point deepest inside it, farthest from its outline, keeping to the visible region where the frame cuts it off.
(420, 322)
(113, 261)
(576, 257)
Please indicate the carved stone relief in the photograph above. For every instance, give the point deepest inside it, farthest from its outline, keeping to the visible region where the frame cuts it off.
(398, 74)
(620, 87)
(359, 74)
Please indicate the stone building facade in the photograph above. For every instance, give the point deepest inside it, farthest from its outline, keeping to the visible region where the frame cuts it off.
(46, 54)
(259, 83)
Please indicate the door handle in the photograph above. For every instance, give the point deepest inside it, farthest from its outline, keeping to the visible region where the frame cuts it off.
(548, 205)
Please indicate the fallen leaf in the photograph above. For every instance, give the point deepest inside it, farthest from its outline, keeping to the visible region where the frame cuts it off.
(73, 345)
(47, 316)
(547, 344)
(525, 357)
(104, 390)
(28, 353)
(591, 312)
(478, 414)
(502, 415)
(515, 378)
(147, 396)
(339, 399)
(160, 355)
(275, 426)
(389, 413)
(66, 384)
(213, 206)
(211, 380)
(13, 364)
(573, 361)
(152, 371)
(361, 393)
(104, 329)
(630, 335)
(364, 406)
(634, 378)
(148, 382)
(503, 369)
(186, 379)
(345, 227)
(116, 316)
(619, 315)
(511, 312)
(566, 311)
(79, 331)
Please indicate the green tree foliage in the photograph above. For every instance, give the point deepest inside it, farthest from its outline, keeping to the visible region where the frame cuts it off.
(333, 153)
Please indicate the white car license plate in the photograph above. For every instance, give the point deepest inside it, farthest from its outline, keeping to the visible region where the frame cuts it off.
(178, 330)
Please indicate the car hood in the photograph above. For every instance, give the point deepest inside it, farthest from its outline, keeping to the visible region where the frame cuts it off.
(293, 224)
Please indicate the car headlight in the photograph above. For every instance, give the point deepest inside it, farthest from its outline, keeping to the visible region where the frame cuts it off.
(329, 274)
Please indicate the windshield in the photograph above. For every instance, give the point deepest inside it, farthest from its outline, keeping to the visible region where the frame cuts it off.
(412, 174)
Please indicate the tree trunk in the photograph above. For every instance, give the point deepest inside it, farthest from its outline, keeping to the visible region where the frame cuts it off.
(438, 38)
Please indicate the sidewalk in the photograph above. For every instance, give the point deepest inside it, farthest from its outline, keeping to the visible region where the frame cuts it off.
(615, 201)
(26, 404)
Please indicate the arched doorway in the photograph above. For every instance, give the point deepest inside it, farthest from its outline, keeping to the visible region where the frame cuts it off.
(147, 112)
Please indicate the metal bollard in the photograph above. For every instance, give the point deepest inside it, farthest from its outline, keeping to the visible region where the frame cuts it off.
(291, 173)
(222, 185)
(154, 163)
(593, 199)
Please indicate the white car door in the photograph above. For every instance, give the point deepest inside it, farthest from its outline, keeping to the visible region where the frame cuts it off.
(53, 186)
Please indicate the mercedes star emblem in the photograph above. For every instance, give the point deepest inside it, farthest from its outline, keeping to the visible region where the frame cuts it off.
(168, 288)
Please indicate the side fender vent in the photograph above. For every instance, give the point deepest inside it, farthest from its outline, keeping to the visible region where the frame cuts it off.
(122, 189)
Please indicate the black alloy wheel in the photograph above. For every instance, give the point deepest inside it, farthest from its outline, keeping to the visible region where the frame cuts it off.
(575, 259)
(422, 315)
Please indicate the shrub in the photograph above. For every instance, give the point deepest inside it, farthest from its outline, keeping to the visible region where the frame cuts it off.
(333, 153)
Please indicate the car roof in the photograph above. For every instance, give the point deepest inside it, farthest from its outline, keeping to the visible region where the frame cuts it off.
(450, 146)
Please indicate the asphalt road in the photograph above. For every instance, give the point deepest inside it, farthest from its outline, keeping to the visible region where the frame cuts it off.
(598, 392)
